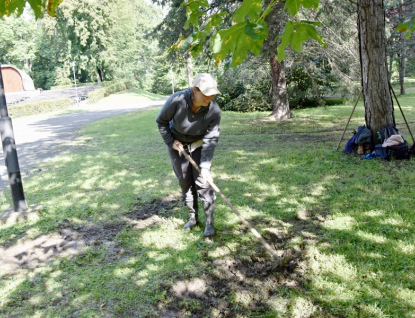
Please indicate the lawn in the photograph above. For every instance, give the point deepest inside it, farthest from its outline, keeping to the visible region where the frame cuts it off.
(109, 241)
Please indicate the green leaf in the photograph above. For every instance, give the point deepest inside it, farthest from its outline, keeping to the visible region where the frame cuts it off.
(238, 40)
(9, 7)
(310, 4)
(251, 8)
(285, 40)
(226, 40)
(52, 6)
(406, 28)
(295, 34)
(214, 21)
(293, 6)
(256, 31)
(312, 33)
(38, 6)
(299, 36)
(195, 50)
(193, 18)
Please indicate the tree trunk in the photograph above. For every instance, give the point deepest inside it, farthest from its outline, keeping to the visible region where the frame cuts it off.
(281, 106)
(376, 93)
(390, 67)
(100, 75)
(402, 54)
(189, 64)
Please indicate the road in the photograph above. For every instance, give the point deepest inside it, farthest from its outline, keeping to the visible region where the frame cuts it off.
(41, 137)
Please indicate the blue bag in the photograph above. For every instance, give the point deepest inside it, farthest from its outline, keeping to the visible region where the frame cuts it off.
(350, 145)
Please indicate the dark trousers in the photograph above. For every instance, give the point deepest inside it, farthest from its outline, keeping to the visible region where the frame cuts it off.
(191, 183)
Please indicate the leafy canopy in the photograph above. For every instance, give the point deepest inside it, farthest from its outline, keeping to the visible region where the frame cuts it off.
(248, 30)
(9, 7)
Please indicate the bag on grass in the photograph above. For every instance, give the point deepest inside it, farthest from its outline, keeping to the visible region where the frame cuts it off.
(380, 152)
(350, 145)
(363, 136)
(412, 150)
(394, 144)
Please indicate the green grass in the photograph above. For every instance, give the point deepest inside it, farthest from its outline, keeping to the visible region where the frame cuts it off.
(349, 223)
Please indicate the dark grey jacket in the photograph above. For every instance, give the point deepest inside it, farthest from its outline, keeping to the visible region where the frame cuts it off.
(177, 121)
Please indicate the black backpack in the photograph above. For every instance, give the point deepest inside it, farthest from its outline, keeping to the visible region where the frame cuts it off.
(363, 136)
(400, 151)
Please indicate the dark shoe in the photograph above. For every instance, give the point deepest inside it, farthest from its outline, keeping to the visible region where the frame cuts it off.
(208, 207)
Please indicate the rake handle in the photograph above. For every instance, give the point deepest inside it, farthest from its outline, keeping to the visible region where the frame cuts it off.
(224, 198)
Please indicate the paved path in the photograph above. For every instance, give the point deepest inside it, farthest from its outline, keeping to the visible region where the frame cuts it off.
(41, 137)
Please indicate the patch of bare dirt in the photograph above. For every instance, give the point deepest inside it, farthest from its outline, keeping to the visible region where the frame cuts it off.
(248, 273)
(71, 239)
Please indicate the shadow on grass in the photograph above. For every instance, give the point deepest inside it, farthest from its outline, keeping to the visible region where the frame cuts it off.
(113, 209)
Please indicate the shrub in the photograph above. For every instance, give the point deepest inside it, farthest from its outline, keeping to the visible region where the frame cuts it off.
(250, 101)
(333, 101)
(246, 98)
(98, 94)
(39, 107)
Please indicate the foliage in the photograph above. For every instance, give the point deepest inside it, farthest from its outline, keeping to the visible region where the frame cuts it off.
(40, 107)
(106, 40)
(249, 29)
(18, 41)
(98, 94)
(39, 7)
(407, 28)
(246, 88)
(134, 49)
(113, 217)
(85, 28)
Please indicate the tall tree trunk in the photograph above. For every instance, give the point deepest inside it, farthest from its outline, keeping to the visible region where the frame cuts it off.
(281, 106)
(390, 67)
(376, 93)
(402, 55)
(189, 64)
(276, 21)
(100, 75)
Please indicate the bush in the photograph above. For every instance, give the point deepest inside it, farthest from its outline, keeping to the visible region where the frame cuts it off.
(333, 101)
(246, 98)
(39, 107)
(250, 101)
(98, 94)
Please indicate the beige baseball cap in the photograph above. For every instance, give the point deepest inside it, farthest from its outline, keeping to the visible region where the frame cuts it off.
(207, 84)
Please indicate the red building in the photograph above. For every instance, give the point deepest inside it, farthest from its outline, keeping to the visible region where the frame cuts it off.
(15, 80)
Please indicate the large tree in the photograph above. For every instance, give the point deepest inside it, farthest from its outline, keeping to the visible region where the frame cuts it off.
(254, 28)
(372, 40)
(18, 37)
(250, 29)
(281, 106)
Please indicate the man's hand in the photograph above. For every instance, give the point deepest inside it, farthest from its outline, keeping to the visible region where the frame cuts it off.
(205, 173)
(177, 145)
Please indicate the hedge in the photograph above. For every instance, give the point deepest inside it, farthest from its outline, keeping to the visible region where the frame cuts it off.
(57, 104)
(98, 94)
(39, 107)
